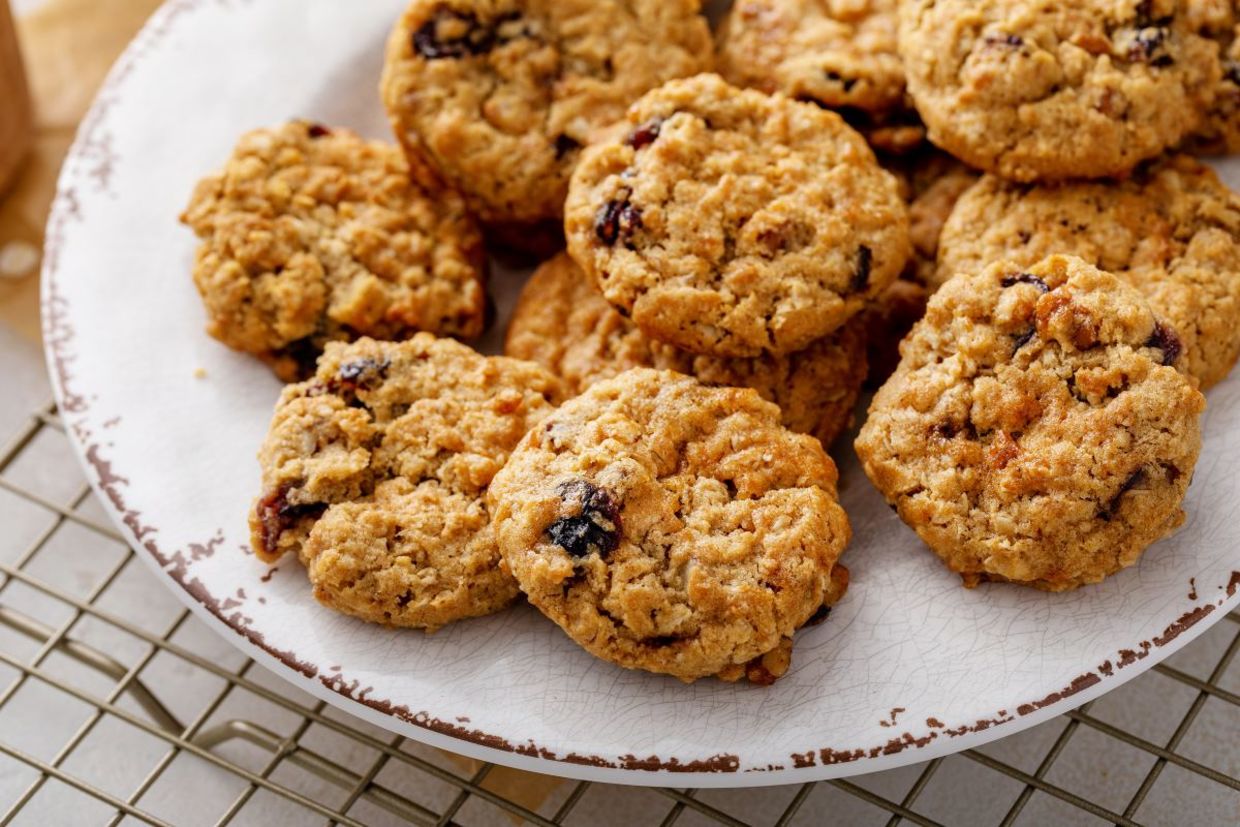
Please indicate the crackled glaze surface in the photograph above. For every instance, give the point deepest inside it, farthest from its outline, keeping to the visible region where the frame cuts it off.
(908, 666)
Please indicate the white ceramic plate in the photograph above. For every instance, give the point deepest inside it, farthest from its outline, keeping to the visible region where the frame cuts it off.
(909, 666)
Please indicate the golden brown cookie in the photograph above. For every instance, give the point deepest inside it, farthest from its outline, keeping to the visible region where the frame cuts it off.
(1220, 132)
(1038, 91)
(312, 235)
(563, 323)
(1171, 229)
(375, 473)
(1036, 429)
(499, 96)
(733, 223)
(674, 527)
(840, 54)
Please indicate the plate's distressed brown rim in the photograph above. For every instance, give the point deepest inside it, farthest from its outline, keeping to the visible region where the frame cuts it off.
(91, 159)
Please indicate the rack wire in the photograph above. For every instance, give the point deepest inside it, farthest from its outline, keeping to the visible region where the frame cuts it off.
(171, 726)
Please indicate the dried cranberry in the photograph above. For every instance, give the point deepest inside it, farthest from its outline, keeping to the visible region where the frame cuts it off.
(861, 275)
(1165, 339)
(317, 130)
(362, 373)
(617, 220)
(1026, 278)
(277, 515)
(1024, 338)
(564, 145)
(475, 40)
(1004, 39)
(595, 529)
(1134, 479)
(1146, 45)
(645, 134)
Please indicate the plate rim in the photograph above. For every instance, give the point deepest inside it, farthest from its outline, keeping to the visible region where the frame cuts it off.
(173, 570)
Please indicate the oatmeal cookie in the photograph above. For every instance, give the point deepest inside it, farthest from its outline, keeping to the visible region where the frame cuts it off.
(1036, 430)
(1037, 91)
(499, 96)
(1220, 133)
(375, 473)
(674, 527)
(734, 223)
(563, 323)
(311, 235)
(840, 54)
(1171, 229)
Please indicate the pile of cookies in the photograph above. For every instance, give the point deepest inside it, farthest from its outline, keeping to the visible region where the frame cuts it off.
(988, 208)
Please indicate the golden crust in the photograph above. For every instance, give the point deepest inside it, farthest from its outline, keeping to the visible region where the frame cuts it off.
(1039, 91)
(670, 526)
(499, 96)
(733, 223)
(313, 235)
(1171, 229)
(375, 474)
(1035, 430)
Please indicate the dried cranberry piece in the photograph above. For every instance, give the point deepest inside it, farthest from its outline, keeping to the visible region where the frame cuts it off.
(1026, 278)
(317, 130)
(617, 220)
(861, 275)
(564, 145)
(1024, 338)
(1165, 339)
(1004, 39)
(475, 40)
(1146, 45)
(596, 529)
(362, 373)
(645, 134)
(1134, 479)
(277, 515)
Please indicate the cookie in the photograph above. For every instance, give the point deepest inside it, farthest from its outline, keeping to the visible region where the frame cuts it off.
(733, 223)
(840, 55)
(563, 323)
(1036, 430)
(1171, 229)
(375, 473)
(1220, 132)
(1040, 91)
(312, 235)
(499, 96)
(670, 526)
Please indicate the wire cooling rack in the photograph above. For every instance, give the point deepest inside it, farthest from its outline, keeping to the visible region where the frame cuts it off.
(119, 706)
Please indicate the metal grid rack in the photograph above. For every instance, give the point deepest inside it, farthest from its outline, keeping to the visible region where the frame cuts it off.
(118, 706)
